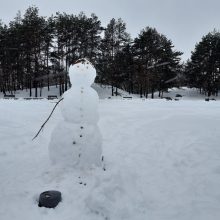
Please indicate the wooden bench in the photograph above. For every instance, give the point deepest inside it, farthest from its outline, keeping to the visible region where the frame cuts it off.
(37, 98)
(127, 97)
(33, 98)
(51, 97)
(9, 96)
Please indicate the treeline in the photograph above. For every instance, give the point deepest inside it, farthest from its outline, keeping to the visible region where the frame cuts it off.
(203, 69)
(36, 52)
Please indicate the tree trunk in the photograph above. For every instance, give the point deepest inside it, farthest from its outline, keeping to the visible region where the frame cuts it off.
(48, 79)
(36, 92)
(30, 88)
(152, 93)
(141, 92)
(112, 90)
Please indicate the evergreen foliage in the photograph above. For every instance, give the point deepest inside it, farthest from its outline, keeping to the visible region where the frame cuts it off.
(203, 70)
(36, 51)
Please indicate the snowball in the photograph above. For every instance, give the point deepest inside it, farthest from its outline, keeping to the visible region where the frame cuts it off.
(82, 74)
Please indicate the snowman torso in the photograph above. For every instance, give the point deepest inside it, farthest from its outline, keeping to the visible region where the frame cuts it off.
(84, 108)
(76, 140)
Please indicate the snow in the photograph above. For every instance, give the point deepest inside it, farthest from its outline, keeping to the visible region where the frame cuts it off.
(75, 103)
(76, 140)
(162, 161)
(104, 92)
(82, 73)
(187, 94)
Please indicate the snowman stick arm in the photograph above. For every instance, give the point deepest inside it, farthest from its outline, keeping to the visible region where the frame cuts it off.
(47, 119)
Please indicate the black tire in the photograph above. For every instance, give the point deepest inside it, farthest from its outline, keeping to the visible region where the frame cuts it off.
(49, 199)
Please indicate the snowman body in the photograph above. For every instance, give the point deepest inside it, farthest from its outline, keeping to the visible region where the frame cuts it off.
(76, 140)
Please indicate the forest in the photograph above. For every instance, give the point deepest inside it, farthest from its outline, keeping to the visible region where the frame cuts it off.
(36, 52)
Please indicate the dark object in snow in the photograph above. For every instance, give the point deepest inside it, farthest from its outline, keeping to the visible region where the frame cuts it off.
(127, 97)
(47, 119)
(176, 99)
(210, 99)
(9, 96)
(178, 96)
(167, 98)
(51, 97)
(49, 199)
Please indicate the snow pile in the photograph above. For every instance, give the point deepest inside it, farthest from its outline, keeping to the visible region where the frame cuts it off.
(184, 93)
(162, 162)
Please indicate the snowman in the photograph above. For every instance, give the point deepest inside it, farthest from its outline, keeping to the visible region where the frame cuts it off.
(76, 140)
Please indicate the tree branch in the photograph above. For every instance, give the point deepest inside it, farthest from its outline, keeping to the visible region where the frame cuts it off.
(47, 119)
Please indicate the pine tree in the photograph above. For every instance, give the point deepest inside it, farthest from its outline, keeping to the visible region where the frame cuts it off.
(115, 39)
(154, 61)
(203, 70)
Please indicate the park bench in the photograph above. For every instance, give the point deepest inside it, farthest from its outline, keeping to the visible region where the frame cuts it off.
(51, 97)
(37, 98)
(9, 96)
(127, 97)
(33, 98)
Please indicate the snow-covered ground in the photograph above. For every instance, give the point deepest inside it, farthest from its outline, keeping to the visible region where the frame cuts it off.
(162, 162)
(104, 92)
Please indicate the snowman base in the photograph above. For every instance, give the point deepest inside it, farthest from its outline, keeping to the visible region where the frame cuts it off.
(71, 148)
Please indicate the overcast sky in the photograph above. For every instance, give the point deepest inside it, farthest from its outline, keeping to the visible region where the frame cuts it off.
(182, 21)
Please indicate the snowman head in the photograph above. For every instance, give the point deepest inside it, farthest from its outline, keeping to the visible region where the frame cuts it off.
(82, 73)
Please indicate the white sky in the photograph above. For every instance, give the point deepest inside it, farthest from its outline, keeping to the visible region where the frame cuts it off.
(182, 21)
